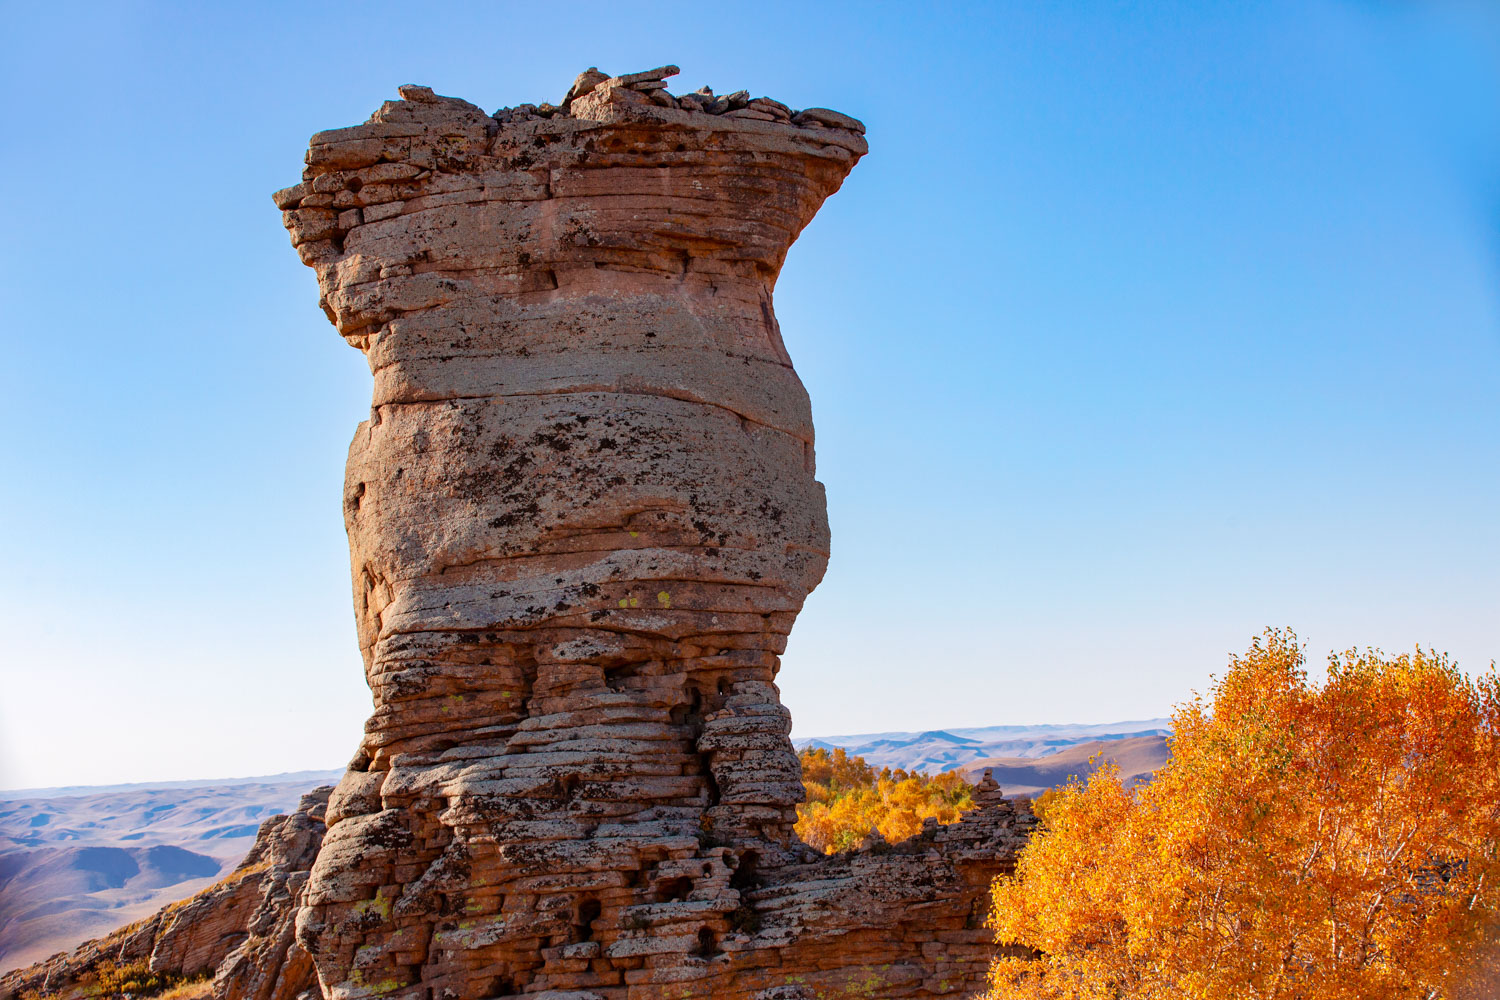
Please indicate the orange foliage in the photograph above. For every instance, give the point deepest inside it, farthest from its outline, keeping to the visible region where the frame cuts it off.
(1324, 842)
(847, 800)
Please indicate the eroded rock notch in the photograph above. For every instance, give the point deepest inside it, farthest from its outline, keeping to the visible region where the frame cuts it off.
(582, 519)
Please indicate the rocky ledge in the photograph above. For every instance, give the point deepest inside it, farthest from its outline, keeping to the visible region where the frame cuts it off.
(650, 87)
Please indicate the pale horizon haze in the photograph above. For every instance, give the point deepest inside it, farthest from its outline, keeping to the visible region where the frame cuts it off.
(1141, 328)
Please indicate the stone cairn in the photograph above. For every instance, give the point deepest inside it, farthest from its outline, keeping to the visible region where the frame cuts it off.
(582, 518)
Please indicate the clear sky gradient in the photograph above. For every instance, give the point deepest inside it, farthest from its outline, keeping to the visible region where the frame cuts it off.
(1142, 327)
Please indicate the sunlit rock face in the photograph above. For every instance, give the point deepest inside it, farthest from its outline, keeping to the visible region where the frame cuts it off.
(582, 520)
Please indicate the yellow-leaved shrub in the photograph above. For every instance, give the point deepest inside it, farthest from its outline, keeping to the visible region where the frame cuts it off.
(847, 800)
(1306, 841)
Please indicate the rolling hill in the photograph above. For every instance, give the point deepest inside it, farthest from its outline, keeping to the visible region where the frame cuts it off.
(946, 749)
(1136, 756)
(78, 862)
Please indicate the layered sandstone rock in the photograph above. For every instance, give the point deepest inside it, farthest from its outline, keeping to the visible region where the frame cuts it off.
(224, 929)
(582, 519)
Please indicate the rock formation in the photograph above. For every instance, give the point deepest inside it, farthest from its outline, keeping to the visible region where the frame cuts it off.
(582, 519)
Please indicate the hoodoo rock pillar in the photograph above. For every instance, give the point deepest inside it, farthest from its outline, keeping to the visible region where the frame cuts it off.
(583, 517)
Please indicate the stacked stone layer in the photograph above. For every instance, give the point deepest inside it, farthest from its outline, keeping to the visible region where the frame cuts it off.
(582, 519)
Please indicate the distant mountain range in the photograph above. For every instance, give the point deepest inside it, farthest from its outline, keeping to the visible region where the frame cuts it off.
(80, 861)
(946, 749)
(310, 779)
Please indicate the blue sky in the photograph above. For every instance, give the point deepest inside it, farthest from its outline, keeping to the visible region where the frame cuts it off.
(1142, 327)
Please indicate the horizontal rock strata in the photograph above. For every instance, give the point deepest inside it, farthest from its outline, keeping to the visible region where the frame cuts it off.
(582, 518)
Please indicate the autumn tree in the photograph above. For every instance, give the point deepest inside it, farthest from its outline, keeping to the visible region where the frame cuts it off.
(1333, 841)
(848, 800)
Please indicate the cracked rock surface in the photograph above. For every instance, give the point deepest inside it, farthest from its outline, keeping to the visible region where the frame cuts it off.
(582, 519)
